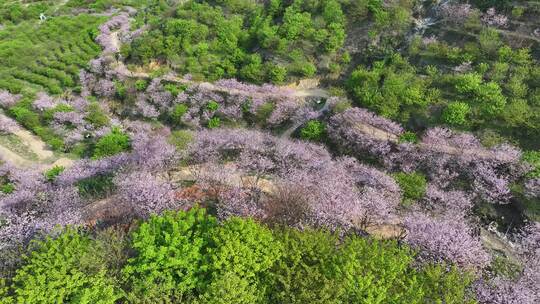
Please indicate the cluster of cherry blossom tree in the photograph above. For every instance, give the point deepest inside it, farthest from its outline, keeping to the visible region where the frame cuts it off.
(7, 99)
(234, 100)
(7, 125)
(491, 18)
(456, 13)
(337, 193)
(107, 36)
(73, 118)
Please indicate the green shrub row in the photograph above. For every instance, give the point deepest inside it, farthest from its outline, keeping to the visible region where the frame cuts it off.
(188, 257)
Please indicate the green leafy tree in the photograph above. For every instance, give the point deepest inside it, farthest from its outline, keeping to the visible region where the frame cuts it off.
(7, 188)
(141, 85)
(412, 184)
(276, 73)
(63, 270)
(5, 296)
(446, 284)
(378, 272)
(409, 137)
(98, 186)
(169, 259)
(52, 173)
(111, 144)
(212, 106)
(253, 70)
(491, 99)
(314, 130)
(178, 111)
(518, 113)
(214, 122)
(174, 89)
(490, 41)
(96, 116)
(389, 88)
(308, 270)
(468, 83)
(243, 248)
(456, 113)
(230, 288)
(487, 97)
(532, 158)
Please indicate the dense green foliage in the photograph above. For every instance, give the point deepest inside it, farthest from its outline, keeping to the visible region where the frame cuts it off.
(412, 184)
(314, 270)
(169, 261)
(62, 270)
(245, 251)
(188, 257)
(246, 39)
(52, 173)
(391, 88)
(313, 130)
(113, 143)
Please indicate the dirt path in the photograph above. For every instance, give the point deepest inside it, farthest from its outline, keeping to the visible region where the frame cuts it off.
(383, 135)
(493, 242)
(13, 158)
(46, 157)
(122, 70)
(34, 144)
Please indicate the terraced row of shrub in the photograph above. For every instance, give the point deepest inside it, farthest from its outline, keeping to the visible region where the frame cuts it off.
(16, 11)
(47, 55)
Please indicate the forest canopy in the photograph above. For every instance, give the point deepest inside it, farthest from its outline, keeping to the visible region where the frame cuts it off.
(249, 40)
(189, 257)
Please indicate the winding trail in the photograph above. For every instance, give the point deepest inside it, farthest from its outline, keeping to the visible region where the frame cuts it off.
(13, 158)
(485, 154)
(122, 70)
(34, 144)
(46, 157)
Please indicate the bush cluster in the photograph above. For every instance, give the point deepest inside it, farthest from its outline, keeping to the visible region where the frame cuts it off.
(253, 41)
(188, 257)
